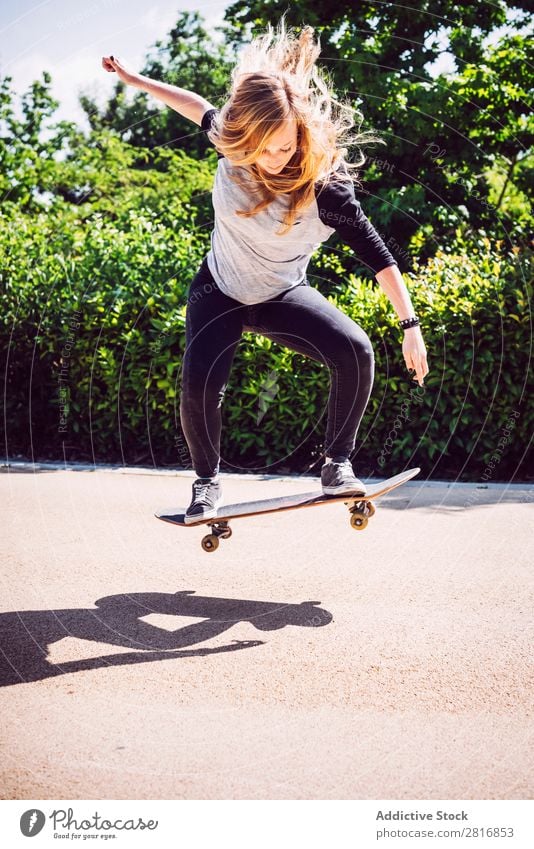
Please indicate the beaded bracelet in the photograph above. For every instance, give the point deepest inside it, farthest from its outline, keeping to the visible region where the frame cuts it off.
(409, 322)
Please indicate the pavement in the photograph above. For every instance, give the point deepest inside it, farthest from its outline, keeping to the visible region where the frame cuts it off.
(301, 660)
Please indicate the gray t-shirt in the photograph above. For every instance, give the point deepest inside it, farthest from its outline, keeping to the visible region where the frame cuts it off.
(251, 264)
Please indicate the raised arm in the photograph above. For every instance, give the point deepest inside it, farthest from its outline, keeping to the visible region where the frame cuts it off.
(187, 103)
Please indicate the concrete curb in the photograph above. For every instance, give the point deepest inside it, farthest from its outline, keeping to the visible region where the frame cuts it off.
(188, 473)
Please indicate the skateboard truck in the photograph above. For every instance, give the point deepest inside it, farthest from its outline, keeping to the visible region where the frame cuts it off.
(360, 513)
(218, 529)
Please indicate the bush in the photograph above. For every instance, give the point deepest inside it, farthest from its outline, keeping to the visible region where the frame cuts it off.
(470, 420)
(93, 316)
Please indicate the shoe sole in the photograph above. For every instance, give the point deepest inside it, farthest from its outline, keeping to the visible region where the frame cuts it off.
(340, 490)
(208, 514)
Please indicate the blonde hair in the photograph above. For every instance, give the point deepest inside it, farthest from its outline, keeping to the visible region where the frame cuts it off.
(276, 78)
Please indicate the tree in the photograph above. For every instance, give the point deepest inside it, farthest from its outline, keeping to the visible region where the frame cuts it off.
(29, 147)
(443, 134)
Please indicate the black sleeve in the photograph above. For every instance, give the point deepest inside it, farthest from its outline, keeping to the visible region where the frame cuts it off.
(340, 209)
(205, 125)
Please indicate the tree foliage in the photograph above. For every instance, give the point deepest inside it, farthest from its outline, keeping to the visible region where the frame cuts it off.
(187, 57)
(443, 133)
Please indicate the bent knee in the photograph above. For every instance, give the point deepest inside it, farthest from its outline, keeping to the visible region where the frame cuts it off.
(357, 347)
(364, 347)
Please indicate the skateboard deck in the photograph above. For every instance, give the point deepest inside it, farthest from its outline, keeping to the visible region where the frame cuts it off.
(361, 508)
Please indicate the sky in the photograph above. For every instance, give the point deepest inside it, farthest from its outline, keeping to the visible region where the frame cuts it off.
(69, 37)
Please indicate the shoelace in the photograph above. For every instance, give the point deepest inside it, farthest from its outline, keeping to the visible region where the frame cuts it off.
(201, 490)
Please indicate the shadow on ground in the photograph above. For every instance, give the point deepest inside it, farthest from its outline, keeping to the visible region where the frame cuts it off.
(26, 635)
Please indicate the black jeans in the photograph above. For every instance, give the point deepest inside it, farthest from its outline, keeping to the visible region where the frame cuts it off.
(301, 319)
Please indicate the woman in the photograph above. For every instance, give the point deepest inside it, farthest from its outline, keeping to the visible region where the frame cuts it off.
(281, 188)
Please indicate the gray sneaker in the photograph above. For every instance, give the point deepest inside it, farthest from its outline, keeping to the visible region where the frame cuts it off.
(337, 478)
(207, 495)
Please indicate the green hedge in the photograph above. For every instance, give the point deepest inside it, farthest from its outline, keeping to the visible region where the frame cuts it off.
(94, 349)
(92, 323)
(470, 420)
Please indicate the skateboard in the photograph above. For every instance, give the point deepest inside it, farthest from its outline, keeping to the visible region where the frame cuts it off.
(361, 508)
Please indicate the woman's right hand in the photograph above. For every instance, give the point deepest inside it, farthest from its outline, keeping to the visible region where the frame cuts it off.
(111, 63)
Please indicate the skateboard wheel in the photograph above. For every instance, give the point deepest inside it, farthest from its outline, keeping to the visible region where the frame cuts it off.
(210, 543)
(371, 509)
(227, 533)
(358, 522)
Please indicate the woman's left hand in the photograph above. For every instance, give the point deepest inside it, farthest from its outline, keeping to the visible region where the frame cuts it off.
(414, 352)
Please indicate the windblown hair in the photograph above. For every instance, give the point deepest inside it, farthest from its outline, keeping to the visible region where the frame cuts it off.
(276, 78)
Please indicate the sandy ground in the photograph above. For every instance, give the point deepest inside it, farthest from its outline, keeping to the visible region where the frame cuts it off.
(302, 660)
